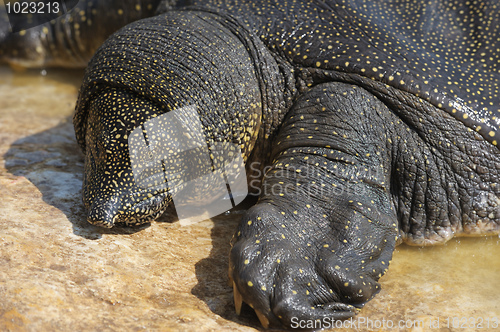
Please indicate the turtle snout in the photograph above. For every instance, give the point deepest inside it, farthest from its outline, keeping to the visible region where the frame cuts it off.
(109, 211)
(103, 212)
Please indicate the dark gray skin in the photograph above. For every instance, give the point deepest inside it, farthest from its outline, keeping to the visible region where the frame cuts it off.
(378, 123)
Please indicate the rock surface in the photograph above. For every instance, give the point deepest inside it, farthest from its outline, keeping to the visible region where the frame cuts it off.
(58, 273)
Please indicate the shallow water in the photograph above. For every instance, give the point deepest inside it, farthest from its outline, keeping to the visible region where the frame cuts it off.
(59, 273)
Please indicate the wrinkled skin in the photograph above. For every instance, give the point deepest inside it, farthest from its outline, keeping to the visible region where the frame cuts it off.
(370, 136)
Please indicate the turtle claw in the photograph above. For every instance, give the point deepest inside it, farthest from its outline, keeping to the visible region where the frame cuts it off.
(263, 319)
(238, 299)
(238, 302)
(230, 281)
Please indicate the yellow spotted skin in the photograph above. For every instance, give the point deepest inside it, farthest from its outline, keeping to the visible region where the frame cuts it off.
(445, 52)
(363, 124)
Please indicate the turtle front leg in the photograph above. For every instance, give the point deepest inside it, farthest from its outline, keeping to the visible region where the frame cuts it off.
(324, 229)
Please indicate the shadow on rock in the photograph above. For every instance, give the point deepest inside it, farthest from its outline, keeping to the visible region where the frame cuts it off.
(212, 272)
(52, 161)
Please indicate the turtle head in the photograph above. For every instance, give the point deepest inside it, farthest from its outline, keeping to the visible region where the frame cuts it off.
(184, 63)
(111, 192)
